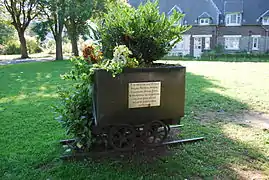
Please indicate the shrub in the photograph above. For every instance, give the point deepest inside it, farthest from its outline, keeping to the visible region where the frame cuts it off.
(2, 49)
(50, 46)
(12, 47)
(75, 108)
(7, 31)
(33, 46)
(67, 48)
(147, 33)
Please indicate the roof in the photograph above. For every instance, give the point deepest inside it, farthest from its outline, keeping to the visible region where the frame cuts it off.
(233, 6)
(266, 14)
(178, 9)
(204, 15)
(191, 8)
(253, 10)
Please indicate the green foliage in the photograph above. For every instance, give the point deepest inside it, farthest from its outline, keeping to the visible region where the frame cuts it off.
(2, 49)
(12, 47)
(6, 32)
(219, 54)
(75, 109)
(76, 16)
(53, 12)
(211, 56)
(235, 57)
(33, 46)
(41, 29)
(102, 6)
(219, 49)
(50, 46)
(147, 33)
(21, 14)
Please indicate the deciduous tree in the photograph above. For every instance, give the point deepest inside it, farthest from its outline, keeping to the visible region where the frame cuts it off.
(53, 12)
(22, 12)
(77, 14)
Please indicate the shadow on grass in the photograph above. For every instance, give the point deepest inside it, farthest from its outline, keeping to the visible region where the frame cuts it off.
(31, 135)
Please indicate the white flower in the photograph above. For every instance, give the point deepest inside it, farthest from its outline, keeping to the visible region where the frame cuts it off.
(121, 53)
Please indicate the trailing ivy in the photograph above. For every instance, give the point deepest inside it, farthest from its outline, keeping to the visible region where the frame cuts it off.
(75, 109)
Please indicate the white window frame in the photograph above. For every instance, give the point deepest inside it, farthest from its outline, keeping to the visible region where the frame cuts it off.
(202, 35)
(232, 42)
(207, 43)
(265, 21)
(238, 19)
(257, 39)
(204, 21)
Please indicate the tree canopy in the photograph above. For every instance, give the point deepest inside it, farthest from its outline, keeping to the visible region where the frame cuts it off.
(6, 31)
(22, 12)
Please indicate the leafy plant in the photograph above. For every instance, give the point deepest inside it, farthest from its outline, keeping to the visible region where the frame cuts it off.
(75, 110)
(33, 46)
(12, 47)
(2, 49)
(41, 29)
(147, 33)
(6, 32)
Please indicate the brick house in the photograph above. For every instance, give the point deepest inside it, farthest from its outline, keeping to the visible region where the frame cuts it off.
(236, 25)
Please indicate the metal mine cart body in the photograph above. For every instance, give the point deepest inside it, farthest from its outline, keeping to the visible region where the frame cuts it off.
(138, 105)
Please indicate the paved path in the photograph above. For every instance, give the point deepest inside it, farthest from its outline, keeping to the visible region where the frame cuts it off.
(18, 61)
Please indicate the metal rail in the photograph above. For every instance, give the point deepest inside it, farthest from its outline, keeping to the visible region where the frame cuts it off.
(95, 154)
(68, 141)
(137, 149)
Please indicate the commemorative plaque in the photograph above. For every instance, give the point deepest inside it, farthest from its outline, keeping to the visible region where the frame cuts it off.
(144, 94)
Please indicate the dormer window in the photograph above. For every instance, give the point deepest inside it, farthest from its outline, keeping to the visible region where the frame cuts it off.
(233, 19)
(204, 21)
(265, 21)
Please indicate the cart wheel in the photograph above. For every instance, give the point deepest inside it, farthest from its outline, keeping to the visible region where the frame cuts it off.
(122, 137)
(155, 133)
(168, 128)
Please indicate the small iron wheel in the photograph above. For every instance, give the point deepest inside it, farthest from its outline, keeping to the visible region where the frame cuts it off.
(155, 133)
(122, 137)
(168, 128)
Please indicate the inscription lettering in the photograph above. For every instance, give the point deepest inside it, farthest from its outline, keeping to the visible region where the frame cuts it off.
(145, 94)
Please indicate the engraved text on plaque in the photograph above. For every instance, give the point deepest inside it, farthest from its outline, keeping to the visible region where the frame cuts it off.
(144, 94)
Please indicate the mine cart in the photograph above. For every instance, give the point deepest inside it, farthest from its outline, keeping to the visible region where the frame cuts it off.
(138, 105)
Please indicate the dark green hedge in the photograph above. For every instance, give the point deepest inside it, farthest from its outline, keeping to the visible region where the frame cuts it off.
(237, 57)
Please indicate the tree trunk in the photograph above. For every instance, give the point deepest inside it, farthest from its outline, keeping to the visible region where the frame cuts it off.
(59, 47)
(73, 35)
(74, 43)
(24, 53)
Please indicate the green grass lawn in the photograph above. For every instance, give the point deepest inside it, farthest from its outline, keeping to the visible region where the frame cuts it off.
(217, 93)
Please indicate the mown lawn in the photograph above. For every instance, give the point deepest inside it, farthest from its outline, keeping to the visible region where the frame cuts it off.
(216, 93)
